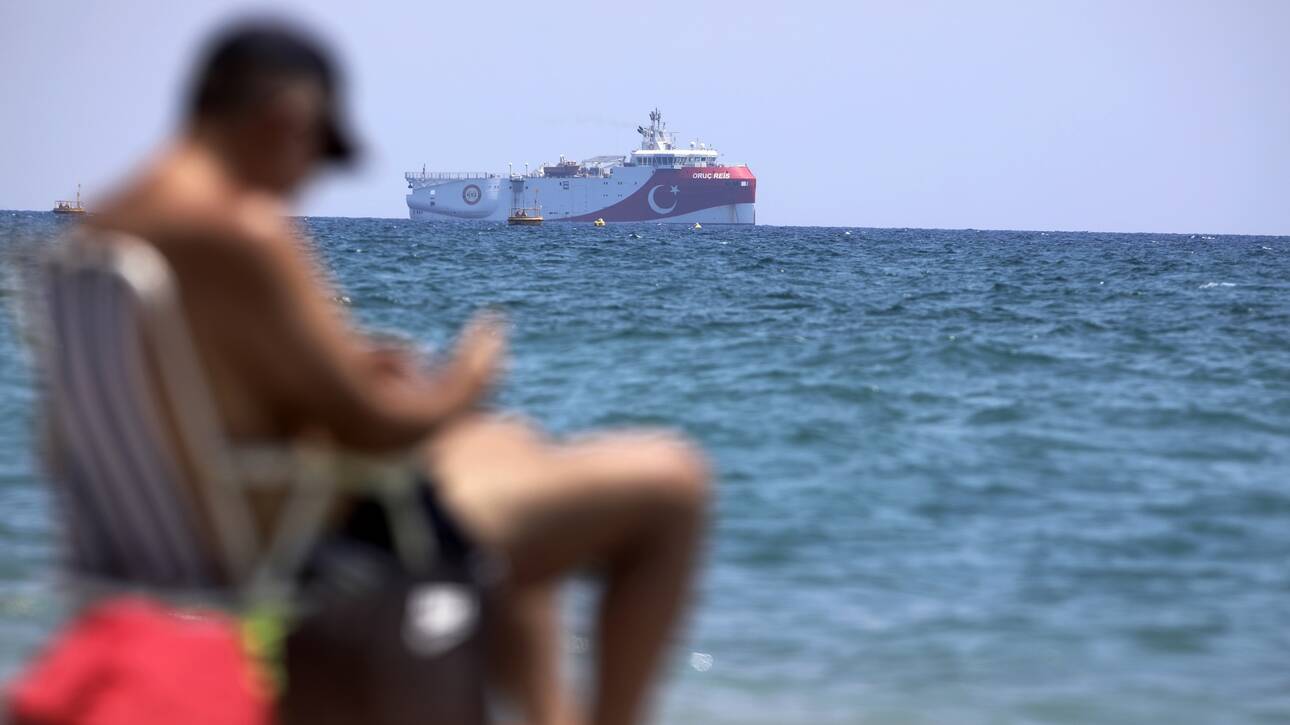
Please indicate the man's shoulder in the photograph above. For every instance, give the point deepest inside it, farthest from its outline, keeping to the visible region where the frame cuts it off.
(246, 228)
(215, 244)
(256, 220)
(182, 219)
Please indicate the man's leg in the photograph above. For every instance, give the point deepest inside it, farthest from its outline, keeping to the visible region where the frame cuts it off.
(526, 655)
(632, 504)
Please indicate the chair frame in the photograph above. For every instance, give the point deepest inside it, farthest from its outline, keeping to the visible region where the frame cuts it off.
(257, 572)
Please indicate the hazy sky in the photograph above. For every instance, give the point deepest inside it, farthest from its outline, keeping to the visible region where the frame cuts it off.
(1120, 115)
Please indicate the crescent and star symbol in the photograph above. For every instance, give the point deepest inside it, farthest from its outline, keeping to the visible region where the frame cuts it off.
(654, 204)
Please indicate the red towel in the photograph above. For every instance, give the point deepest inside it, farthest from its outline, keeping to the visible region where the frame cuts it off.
(130, 661)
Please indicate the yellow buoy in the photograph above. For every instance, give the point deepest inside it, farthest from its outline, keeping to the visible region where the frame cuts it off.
(599, 222)
(698, 225)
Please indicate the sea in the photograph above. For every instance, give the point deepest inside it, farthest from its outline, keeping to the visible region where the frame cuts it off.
(962, 476)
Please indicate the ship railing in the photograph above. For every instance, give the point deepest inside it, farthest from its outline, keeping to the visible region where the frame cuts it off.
(416, 176)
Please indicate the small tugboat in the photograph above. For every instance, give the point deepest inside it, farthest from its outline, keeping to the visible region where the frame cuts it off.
(528, 216)
(67, 207)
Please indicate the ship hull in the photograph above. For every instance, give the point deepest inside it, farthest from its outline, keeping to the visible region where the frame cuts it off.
(686, 195)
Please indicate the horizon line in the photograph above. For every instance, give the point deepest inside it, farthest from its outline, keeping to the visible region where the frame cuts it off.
(794, 226)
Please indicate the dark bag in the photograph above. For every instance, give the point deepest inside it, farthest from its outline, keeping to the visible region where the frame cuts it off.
(380, 644)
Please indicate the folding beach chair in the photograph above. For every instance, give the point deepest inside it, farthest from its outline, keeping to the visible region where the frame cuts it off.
(155, 499)
(152, 493)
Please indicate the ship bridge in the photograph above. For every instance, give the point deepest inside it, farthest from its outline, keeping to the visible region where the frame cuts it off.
(658, 147)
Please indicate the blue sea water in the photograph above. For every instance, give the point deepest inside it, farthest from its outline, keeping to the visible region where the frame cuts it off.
(963, 476)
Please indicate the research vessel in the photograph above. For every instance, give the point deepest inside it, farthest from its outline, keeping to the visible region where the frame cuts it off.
(658, 182)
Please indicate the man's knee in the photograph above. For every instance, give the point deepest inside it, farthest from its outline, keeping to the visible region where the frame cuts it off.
(683, 475)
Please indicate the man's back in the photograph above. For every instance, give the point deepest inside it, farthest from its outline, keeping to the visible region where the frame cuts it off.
(221, 242)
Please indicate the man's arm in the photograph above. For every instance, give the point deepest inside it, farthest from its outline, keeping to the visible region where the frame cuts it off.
(296, 348)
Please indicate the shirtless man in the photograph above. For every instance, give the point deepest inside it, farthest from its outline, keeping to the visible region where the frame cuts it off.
(283, 360)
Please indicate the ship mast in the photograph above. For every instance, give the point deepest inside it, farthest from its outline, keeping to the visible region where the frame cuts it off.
(656, 137)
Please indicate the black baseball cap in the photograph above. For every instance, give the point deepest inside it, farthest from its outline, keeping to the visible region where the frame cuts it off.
(242, 63)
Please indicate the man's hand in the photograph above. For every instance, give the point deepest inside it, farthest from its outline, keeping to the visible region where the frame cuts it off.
(393, 362)
(394, 356)
(479, 356)
(454, 385)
